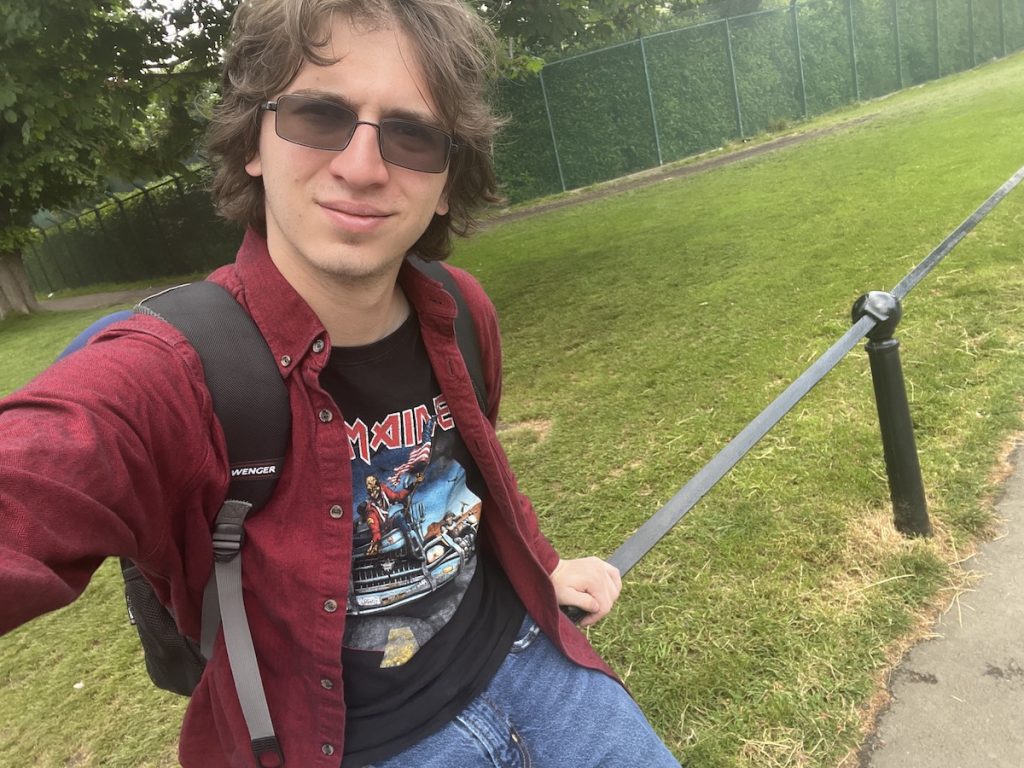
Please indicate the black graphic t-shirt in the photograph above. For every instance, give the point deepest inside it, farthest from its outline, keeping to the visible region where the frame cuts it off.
(431, 615)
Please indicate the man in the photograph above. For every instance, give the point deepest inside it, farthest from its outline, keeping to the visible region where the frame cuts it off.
(350, 133)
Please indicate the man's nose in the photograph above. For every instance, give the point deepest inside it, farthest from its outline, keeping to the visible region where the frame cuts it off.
(360, 163)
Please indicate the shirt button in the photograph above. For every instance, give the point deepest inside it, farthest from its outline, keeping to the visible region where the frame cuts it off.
(325, 416)
(330, 605)
(286, 360)
(326, 683)
(336, 512)
(318, 345)
(327, 749)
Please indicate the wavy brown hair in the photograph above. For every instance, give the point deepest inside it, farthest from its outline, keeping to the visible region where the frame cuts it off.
(271, 39)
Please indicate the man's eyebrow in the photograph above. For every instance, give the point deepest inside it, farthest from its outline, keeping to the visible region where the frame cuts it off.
(425, 118)
(323, 95)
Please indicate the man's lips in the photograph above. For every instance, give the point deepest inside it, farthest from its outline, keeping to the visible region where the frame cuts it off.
(357, 217)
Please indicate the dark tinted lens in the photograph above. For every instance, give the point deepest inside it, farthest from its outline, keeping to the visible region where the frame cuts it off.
(314, 122)
(414, 145)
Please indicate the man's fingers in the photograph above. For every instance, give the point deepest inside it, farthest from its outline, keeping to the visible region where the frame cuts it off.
(588, 583)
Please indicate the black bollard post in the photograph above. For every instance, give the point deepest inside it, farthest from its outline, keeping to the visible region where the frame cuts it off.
(906, 489)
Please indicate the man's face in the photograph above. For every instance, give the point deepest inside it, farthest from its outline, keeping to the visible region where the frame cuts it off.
(349, 214)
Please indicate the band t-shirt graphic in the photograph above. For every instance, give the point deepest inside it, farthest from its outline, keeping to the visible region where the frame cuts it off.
(431, 615)
(416, 520)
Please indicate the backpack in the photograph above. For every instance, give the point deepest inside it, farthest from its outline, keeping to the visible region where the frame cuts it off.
(243, 379)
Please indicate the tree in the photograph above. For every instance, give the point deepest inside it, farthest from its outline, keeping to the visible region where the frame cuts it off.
(183, 86)
(556, 27)
(91, 89)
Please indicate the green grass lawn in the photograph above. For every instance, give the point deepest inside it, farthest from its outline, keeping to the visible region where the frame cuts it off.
(642, 332)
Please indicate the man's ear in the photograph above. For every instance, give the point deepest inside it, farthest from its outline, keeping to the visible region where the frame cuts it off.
(442, 203)
(255, 166)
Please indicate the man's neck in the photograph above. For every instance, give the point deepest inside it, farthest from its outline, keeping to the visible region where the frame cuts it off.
(355, 311)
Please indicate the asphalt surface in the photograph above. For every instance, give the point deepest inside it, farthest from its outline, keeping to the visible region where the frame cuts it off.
(958, 698)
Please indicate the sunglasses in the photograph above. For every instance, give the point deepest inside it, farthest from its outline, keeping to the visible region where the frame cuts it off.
(323, 124)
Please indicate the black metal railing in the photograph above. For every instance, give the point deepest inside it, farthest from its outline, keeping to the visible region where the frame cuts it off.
(875, 315)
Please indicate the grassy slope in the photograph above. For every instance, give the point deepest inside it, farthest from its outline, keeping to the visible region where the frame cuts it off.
(642, 332)
(648, 328)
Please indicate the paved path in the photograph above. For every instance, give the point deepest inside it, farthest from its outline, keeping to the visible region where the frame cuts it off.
(99, 300)
(958, 699)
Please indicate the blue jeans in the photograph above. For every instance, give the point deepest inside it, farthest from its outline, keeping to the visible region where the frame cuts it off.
(542, 711)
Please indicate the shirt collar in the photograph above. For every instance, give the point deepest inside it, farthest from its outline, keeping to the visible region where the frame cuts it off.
(427, 296)
(287, 322)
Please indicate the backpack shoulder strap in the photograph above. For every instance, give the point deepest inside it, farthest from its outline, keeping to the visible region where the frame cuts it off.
(465, 329)
(249, 395)
(251, 403)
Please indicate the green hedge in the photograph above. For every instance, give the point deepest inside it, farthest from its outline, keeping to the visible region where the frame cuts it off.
(875, 43)
(954, 36)
(767, 70)
(692, 89)
(601, 115)
(524, 155)
(825, 49)
(918, 52)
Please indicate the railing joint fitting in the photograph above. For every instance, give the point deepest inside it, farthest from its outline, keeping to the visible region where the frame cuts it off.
(885, 308)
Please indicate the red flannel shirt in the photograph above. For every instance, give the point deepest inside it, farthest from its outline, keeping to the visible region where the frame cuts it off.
(115, 451)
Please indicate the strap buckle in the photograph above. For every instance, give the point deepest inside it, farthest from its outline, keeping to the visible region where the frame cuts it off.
(227, 541)
(268, 752)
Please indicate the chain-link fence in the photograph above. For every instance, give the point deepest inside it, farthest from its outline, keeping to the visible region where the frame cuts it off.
(605, 114)
(166, 229)
(623, 109)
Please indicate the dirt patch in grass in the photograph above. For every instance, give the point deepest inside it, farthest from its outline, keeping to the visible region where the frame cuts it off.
(539, 428)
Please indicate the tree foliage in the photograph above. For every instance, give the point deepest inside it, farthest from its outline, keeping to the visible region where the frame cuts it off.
(185, 85)
(93, 89)
(70, 81)
(546, 27)
(97, 88)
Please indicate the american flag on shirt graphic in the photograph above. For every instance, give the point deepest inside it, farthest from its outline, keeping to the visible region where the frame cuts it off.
(419, 457)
